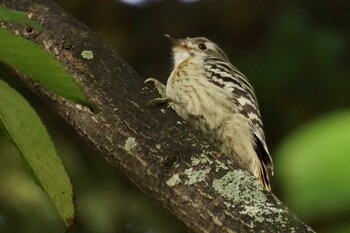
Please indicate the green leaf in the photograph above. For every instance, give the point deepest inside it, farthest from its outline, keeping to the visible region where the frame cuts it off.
(36, 63)
(31, 138)
(18, 17)
(312, 165)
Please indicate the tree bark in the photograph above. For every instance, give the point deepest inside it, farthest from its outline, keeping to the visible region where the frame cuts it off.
(164, 157)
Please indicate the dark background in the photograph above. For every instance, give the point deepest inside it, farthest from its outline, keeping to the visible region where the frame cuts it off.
(296, 54)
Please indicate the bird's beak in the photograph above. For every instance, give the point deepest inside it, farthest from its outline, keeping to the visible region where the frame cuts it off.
(174, 42)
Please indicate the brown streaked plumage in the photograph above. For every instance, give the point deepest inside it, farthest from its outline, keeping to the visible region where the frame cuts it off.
(206, 90)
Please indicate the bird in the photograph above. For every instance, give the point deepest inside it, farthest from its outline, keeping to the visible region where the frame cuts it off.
(213, 96)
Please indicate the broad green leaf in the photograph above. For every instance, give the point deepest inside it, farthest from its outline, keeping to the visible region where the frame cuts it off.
(313, 167)
(29, 134)
(18, 17)
(36, 63)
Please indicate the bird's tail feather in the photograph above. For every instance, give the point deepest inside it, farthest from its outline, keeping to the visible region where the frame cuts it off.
(264, 177)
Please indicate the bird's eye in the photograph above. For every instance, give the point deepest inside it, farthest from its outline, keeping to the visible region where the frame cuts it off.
(202, 46)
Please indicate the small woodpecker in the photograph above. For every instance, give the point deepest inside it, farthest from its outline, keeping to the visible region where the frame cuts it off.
(207, 91)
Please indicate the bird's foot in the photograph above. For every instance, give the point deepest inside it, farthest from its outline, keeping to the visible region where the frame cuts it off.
(162, 92)
(158, 85)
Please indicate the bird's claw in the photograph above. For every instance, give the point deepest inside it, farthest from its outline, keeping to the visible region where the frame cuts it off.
(158, 85)
(151, 80)
(158, 101)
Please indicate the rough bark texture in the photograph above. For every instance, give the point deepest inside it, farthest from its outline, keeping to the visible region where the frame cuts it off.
(153, 147)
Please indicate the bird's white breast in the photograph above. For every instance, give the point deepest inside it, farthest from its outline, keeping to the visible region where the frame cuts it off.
(195, 96)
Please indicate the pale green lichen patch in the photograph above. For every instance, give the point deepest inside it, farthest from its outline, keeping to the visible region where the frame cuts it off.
(130, 144)
(229, 205)
(229, 162)
(173, 180)
(87, 54)
(220, 165)
(228, 186)
(205, 145)
(202, 159)
(195, 176)
(156, 148)
(252, 201)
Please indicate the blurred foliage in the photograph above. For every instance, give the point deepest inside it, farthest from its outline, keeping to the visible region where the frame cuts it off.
(33, 61)
(296, 55)
(313, 169)
(22, 125)
(18, 17)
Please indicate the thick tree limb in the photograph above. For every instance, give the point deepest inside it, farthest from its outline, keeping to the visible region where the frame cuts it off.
(153, 147)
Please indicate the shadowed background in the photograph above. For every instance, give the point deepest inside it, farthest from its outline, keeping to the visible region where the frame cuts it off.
(296, 54)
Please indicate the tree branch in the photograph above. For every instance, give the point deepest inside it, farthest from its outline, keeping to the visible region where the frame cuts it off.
(153, 147)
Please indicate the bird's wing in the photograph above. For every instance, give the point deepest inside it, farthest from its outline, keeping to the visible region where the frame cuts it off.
(226, 76)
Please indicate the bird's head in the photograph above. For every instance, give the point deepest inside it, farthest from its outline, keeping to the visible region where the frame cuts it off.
(196, 46)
